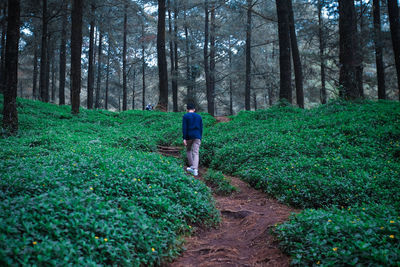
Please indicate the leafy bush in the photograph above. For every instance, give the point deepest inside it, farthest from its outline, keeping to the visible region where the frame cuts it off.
(87, 190)
(338, 155)
(219, 183)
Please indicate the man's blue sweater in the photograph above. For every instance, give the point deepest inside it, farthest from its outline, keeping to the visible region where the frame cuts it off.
(192, 126)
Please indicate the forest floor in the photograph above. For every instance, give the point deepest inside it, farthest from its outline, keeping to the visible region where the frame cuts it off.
(243, 237)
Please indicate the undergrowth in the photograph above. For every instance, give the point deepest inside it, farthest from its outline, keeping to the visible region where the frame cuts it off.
(220, 184)
(88, 189)
(340, 158)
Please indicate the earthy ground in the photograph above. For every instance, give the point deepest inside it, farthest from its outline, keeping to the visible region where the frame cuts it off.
(243, 238)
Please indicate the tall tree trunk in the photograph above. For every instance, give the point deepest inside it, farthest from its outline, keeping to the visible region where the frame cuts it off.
(99, 66)
(323, 95)
(3, 49)
(53, 76)
(172, 60)
(161, 58)
(347, 53)
(108, 73)
(76, 50)
(284, 50)
(35, 72)
(298, 69)
(206, 66)
(44, 95)
(124, 86)
(10, 114)
(48, 60)
(63, 55)
(212, 61)
(230, 79)
(143, 71)
(255, 100)
(360, 51)
(395, 32)
(133, 88)
(90, 79)
(248, 56)
(189, 89)
(380, 71)
(176, 70)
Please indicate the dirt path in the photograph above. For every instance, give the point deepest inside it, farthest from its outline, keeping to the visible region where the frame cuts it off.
(243, 238)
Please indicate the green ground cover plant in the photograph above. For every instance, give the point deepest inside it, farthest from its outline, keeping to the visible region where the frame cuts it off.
(220, 184)
(88, 189)
(341, 156)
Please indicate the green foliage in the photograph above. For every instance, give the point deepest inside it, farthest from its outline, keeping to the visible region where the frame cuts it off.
(219, 183)
(87, 189)
(342, 154)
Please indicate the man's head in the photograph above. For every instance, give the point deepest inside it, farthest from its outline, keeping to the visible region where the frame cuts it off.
(190, 107)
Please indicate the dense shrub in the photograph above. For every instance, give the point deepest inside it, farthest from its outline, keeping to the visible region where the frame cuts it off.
(341, 154)
(220, 184)
(87, 190)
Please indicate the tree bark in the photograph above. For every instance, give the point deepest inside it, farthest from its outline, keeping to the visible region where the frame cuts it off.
(63, 56)
(161, 58)
(206, 66)
(212, 60)
(230, 79)
(347, 54)
(298, 69)
(284, 50)
(10, 114)
(124, 86)
(143, 72)
(76, 50)
(323, 95)
(108, 73)
(189, 89)
(359, 52)
(3, 49)
(173, 59)
(44, 93)
(380, 71)
(48, 59)
(133, 88)
(248, 56)
(35, 72)
(99, 66)
(395, 33)
(53, 76)
(176, 71)
(90, 79)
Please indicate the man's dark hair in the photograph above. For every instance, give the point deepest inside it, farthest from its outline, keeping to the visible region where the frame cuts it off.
(190, 106)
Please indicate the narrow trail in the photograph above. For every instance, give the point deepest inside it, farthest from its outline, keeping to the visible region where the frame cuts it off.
(243, 237)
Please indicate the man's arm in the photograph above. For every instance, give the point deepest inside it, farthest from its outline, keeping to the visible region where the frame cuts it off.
(184, 130)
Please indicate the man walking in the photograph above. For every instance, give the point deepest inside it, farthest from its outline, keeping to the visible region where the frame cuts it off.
(192, 129)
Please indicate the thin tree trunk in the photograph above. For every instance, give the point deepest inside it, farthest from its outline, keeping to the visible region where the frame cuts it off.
(206, 66)
(323, 95)
(108, 73)
(48, 60)
(395, 32)
(124, 86)
(3, 49)
(143, 72)
(347, 53)
(90, 79)
(298, 69)
(230, 79)
(44, 95)
(76, 50)
(99, 66)
(133, 88)
(380, 71)
(248, 56)
(284, 50)
(35, 72)
(212, 61)
(63, 56)
(53, 77)
(255, 100)
(10, 114)
(189, 88)
(161, 58)
(176, 71)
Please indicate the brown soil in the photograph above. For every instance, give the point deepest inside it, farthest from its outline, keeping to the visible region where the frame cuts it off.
(243, 237)
(222, 119)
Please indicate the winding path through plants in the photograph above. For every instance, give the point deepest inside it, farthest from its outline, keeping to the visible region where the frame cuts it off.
(243, 238)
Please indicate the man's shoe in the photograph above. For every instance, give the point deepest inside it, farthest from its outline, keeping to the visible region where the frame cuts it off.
(189, 169)
(195, 172)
